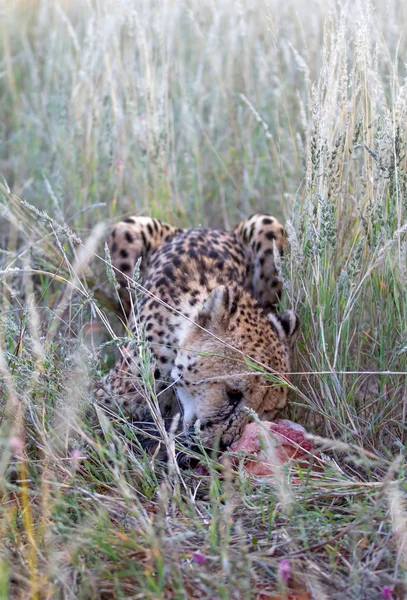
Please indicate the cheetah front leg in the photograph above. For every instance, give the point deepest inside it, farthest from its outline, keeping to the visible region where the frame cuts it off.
(262, 235)
(125, 395)
(131, 239)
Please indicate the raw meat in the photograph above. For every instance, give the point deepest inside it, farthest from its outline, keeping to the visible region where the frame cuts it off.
(282, 440)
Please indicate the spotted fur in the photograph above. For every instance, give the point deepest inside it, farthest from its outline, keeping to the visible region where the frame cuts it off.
(207, 312)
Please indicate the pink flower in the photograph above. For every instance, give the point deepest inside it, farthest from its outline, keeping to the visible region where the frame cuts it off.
(198, 558)
(76, 456)
(16, 444)
(386, 593)
(284, 571)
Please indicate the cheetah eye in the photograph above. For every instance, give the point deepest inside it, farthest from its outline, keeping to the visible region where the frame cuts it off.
(234, 396)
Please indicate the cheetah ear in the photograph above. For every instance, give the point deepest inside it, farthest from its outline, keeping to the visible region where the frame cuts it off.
(286, 324)
(221, 304)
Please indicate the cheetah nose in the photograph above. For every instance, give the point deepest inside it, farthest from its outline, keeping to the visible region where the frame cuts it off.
(223, 446)
(186, 461)
(183, 460)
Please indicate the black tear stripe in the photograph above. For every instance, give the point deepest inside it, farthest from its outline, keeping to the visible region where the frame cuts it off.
(226, 297)
(234, 306)
(226, 415)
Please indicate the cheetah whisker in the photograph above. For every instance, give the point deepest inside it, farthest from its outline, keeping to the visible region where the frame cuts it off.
(233, 375)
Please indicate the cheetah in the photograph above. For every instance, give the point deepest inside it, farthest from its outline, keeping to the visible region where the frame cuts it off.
(208, 314)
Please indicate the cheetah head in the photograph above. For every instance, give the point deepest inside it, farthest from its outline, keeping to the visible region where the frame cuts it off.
(216, 372)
